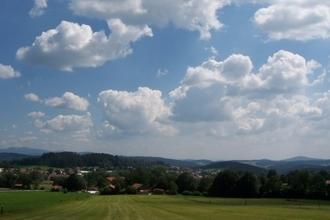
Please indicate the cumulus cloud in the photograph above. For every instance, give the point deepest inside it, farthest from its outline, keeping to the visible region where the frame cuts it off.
(68, 100)
(296, 20)
(286, 71)
(323, 103)
(8, 72)
(201, 95)
(207, 87)
(142, 111)
(38, 8)
(71, 45)
(231, 92)
(247, 119)
(32, 97)
(36, 115)
(66, 123)
(281, 111)
(192, 15)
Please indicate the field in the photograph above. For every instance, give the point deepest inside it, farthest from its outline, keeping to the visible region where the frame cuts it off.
(47, 206)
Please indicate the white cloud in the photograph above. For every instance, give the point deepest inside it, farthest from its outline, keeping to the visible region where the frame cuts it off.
(161, 73)
(8, 72)
(32, 97)
(201, 97)
(278, 112)
(206, 88)
(71, 45)
(229, 91)
(296, 20)
(38, 8)
(212, 50)
(285, 71)
(324, 101)
(142, 111)
(236, 66)
(36, 115)
(192, 15)
(66, 123)
(68, 100)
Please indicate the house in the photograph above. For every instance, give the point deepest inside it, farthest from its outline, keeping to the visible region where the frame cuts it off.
(18, 186)
(137, 186)
(56, 188)
(144, 191)
(111, 179)
(158, 191)
(54, 175)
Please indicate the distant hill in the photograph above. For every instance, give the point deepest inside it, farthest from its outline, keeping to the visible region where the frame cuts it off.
(24, 151)
(264, 163)
(33, 156)
(235, 166)
(173, 162)
(286, 166)
(296, 163)
(72, 159)
(11, 156)
(301, 158)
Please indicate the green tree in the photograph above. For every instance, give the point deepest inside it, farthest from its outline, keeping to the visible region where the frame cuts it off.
(224, 184)
(25, 180)
(247, 185)
(75, 183)
(172, 188)
(299, 183)
(204, 184)
(273, 184)
(318, 187)
(186, 182)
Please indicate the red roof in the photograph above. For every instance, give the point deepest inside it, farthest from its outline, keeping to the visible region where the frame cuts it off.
(111, 179)
(137, 185)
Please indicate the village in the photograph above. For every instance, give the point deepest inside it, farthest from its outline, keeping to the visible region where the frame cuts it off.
(93, 179)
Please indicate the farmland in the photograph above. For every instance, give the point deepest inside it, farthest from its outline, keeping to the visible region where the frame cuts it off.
(44, 206)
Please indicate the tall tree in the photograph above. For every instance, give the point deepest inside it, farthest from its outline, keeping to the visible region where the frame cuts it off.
(186, 182)
(224, 184)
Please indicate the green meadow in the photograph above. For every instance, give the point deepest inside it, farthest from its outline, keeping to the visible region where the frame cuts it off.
(80, 206)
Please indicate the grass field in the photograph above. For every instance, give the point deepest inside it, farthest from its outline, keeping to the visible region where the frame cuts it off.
(55, 206)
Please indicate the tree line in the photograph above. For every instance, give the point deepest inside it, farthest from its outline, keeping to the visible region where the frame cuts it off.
(296, 184)
(227, 183)
(73, 160)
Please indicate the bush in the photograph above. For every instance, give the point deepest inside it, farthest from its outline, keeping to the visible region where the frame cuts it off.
(191, 193)
(75, 183)
(172, 189)
(106, 191)
(158, 191)
(131, 190)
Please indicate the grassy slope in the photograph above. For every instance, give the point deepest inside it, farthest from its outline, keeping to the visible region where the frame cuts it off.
(181, 208)
(22, 202)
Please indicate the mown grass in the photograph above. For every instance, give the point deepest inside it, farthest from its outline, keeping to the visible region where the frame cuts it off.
(16, 202)
(79, 206)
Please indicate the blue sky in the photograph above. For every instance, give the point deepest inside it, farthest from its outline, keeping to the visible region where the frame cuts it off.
(214, 79)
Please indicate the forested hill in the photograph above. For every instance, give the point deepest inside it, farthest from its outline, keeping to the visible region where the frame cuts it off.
(71, 159)
(11, 156)
(235, 166)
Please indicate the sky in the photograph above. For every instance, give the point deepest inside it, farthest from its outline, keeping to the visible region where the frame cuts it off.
(188, 79)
